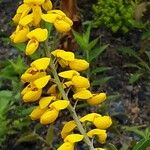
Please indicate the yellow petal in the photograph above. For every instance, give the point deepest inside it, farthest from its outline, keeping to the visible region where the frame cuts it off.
(97, 99)
(26, 20)
(67, 56)
(49, 116)
(41, 82)
(58, 12)
(68, 127)
(22, 8)
(32, 96)
(73, 138)
(60, 104)
(102, 135)
(68, 74)
(37, 12)
(21, 35)
(45, 101)
(36, 2)
(68, 20)
(103, 122)
(49, 17)
(90, 117)
(67, 84)
(47, 5)
(37, 113)
(63, 63)
(62, 26)
(78, 65)
(52, 90)
(85, 94)
(16, 18)
(32, 74)
(66, 146)
(31, 47)
(38, 34)
(80, 82)
(41, 63)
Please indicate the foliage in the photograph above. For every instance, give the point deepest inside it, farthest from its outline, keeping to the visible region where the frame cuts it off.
(141, 66)
(91, 52)
(143, 134)
(116, 15)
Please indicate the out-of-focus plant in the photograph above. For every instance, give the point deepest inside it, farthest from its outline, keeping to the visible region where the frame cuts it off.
(144, 135)
(140, 65)
(54, 80)
(116, 15)
(91, 52)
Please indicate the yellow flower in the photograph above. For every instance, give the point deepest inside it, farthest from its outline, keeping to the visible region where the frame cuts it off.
(68, 74)
(35, 2)
(20, 35)
(52, 90)
(37, 113)
(101, 134)
(37, 35)
(47, 5)
(45, 101)
(66, 146)
(61, 22)
(49, 116)
(67, 56)
(90, 117)
(84, 94)
(69, 141)
(68, 127)
(80, 82)
(31, 93)
(102, 122)
(97, 99)
(78, 64)
(37, 70)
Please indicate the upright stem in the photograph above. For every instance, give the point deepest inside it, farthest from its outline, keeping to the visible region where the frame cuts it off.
(70, 108)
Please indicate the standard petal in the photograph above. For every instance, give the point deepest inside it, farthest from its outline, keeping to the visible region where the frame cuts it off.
(78, 64)
(85, 94)
(51, 18)
(37, 113)
(103, 122)
(41, 63)
(47, 5)
(68, 74)
(49, 116)
(45, 101)
(26, 20)
(68, 127)
(97, 99)
(41, 82)
(60, 104)
(90, 117)
(80, 82)
(39, 34)
(31, 47)
(73, 138)
(66, 146)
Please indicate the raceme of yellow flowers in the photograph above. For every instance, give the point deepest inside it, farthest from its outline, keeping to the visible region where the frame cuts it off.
(41, 86)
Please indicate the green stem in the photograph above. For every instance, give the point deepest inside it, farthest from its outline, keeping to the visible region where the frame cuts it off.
(64, 95)
(70, 108)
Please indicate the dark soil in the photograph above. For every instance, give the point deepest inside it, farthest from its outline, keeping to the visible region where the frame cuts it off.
(131, 108)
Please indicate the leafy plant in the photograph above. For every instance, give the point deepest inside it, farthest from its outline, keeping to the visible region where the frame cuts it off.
(91, 51)
(116, 15)
(140, 65)
(143, 134)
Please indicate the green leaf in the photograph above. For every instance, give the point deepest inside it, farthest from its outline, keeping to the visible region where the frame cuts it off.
(49, 27)
(100, 70)
(50, 134)
(148, 54)
(30, 137)
(20, 46)
(112, 147)
(92, 44)
(79, 39)
(96, 52)
(134, 77)
(101, 81)
(129, 65)
(142, 145)
(86, 35)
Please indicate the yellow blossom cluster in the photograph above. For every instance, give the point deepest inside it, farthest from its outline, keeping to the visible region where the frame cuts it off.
(29, 17)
